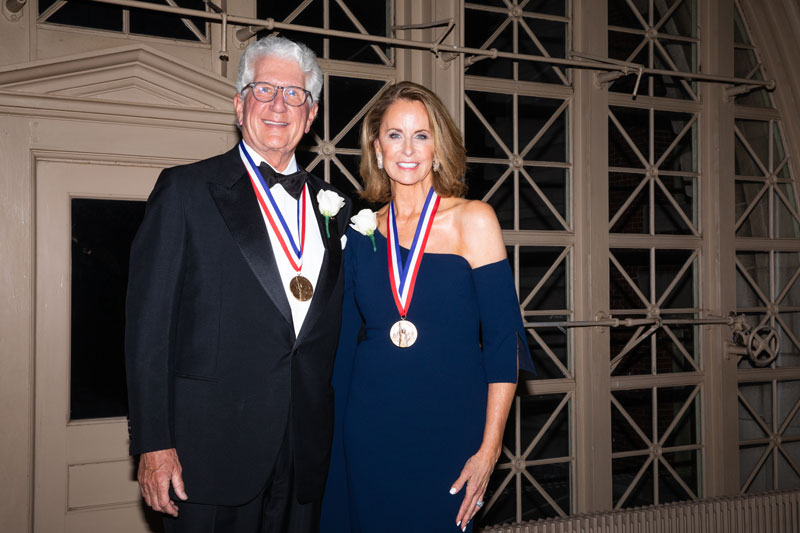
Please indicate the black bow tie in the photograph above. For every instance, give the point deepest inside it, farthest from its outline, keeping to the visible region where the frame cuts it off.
(292, 183)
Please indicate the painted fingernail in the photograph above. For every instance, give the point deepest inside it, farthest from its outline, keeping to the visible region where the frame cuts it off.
(453, 490)
(464, 528)
(458, 524)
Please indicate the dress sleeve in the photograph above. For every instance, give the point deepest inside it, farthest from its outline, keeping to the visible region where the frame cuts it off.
(502, 333)
(335, 503)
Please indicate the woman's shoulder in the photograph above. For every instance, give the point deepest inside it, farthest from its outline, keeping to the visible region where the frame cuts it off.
(479, 234)
(470, 216)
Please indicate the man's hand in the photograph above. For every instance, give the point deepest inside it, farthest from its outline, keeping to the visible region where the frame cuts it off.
(156, 471)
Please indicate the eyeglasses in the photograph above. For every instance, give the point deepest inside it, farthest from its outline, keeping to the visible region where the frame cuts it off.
(266, 92)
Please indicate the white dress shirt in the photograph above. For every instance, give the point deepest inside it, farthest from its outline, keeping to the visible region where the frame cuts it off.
(313, 251)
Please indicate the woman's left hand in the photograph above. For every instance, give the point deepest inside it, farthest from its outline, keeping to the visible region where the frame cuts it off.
(475, 475)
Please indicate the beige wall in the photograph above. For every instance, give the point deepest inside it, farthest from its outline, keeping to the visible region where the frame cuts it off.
(16, 324)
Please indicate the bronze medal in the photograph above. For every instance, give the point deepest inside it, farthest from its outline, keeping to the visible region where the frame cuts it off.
(402, 277)
(301, 288)
(403, 333)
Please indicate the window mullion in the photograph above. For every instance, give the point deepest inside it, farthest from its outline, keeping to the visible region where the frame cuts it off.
(592, 439)
(717, 266)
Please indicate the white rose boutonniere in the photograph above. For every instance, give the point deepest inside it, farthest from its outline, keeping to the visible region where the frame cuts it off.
(329, 204)
(365, 222)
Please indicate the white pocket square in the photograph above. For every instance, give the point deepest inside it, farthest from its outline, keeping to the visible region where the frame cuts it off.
(344, 241)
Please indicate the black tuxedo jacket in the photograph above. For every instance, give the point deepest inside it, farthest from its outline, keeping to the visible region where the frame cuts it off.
(213, 366)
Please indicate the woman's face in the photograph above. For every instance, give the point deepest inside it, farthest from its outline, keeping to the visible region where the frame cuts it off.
(405, 142)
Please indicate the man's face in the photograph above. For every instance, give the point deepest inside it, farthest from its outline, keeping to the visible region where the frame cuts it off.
(274, 129)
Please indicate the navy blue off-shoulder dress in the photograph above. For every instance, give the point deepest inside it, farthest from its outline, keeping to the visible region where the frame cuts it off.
(407, 419)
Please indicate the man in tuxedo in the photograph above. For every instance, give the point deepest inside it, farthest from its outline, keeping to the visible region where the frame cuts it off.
(233, 315)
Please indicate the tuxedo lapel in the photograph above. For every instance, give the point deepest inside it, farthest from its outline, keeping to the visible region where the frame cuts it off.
(239, 208)
(331, 261)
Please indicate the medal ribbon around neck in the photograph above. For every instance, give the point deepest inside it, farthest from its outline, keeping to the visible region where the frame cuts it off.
(403, 277)
(270, 209)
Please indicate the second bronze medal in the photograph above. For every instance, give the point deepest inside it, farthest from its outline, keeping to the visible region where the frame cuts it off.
(301, 288)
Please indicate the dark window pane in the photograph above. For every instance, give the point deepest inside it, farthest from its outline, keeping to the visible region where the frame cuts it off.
(623, 44)
(553, 476)
(535, 261)
(552, 36)
(491, 3)
(624, 472)
(480, 180)
(533, 114)
(311, 15)
(480, 27)
(348, 97)
(549, 7)
(102, 232)
(620, 13)
(636, 263)
(676, 345)
(637, 358)
(622, 188)
(497, 111)
(668, 265)
(687, 465)
(553, 339)
(635, 124)
(87, 15)
(374, 17)
(142, 21)
(147, 22)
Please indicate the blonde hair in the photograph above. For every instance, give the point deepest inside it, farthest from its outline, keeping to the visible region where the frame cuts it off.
(449, 150)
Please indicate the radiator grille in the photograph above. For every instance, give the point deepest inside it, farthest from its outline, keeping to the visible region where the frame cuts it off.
(769, 512)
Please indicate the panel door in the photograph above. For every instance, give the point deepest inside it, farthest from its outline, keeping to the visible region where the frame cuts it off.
(84, 478)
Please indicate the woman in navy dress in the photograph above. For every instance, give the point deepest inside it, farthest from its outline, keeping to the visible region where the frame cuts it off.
(427, 363)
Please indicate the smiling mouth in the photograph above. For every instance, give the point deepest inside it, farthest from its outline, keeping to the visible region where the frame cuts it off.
(273, 123)
(408, 166)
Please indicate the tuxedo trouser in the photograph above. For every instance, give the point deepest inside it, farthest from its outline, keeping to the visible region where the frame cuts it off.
(274, 510)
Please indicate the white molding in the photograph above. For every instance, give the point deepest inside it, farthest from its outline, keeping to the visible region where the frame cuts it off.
(154, 76)
(47, 106)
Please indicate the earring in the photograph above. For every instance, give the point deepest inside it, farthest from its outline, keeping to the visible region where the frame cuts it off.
(436, 165)
(380, 160)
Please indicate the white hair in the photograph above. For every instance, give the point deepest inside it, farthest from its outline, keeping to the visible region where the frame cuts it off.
(282, 48)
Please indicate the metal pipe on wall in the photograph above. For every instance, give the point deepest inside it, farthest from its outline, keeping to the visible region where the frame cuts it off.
(270, 24)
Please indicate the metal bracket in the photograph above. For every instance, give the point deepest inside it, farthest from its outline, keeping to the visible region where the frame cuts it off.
(443, 59)
(490, 53)
(223, 49)
(245, 34)
(615, 69)
(731, 92)
(12, 9)
(601, 80)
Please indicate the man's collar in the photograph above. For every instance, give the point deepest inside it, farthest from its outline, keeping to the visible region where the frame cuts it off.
(257, 160)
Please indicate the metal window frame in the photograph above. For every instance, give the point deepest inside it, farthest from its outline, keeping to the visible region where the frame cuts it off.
(769, 307)
(202, 37)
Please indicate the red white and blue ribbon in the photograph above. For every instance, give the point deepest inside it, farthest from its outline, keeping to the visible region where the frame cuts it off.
(403, 277)
(294, 253)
